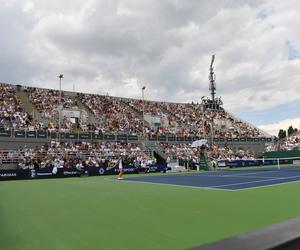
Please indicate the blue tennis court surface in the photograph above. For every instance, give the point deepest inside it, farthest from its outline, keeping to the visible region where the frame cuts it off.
(225, 180)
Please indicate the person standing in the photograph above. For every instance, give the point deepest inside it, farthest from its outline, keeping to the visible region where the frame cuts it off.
(121, 170)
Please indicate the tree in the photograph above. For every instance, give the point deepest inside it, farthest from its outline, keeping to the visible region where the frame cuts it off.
(284, 133)
(290, 130)
(281, 134)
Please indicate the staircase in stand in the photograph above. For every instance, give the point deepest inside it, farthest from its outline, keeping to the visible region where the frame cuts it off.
(156, 150)
(29, 107)
(91, 117)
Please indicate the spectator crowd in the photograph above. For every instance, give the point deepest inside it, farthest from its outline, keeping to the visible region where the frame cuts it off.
(80, 154)
(289, 143)
(119, 115)
(47, 101)
(186, 154)
(12, 113)
(114, 115)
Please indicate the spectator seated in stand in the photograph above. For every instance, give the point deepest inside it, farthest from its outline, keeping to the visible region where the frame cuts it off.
(120, 116)
(12, 113)
(80, 154)
(289, 143)
(189, 156)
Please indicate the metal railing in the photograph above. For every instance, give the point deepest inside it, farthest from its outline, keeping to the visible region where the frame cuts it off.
(41, 134)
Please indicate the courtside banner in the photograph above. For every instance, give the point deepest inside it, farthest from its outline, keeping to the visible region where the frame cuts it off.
(154, 168)
(71, 172)
(128, 169)
(104, 170)
(54, 172)
(14, 174)
(251, 163)
(43, 173)
(237, 163)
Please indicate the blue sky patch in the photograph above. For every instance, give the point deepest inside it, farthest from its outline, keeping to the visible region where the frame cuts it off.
(288, 110)
(263, 14)
(293, 52)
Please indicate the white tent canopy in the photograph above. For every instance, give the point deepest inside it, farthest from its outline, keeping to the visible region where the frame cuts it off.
(199, 143)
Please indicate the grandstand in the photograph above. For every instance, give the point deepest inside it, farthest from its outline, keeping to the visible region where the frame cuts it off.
(289, 143)
(30, 116)
(114, 115)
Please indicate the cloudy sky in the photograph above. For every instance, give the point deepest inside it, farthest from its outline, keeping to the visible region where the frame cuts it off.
(117, 46)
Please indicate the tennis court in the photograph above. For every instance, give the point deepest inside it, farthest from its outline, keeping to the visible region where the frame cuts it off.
(110, 214)
(227, 180)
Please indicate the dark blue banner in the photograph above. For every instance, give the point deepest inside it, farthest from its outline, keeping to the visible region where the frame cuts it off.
(41, 173)
(128, 169)
(251, 163)
(14, 174)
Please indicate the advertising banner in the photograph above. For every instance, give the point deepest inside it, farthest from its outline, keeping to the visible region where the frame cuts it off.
(43, 173)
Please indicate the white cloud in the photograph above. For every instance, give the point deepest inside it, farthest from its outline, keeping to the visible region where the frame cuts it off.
(274, 128)
(166, 45)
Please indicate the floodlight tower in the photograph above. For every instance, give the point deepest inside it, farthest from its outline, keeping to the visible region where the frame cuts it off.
(212, 88)
(143, 96)
(212, 103)
(212, 79)
(59, 107)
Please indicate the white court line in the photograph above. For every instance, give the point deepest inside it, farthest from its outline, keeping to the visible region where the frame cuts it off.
(176, 185)
(217, 188)
(268, 185)
(245, 175)
(256, 172)
(225, 174)
(249, 182)
(208, 187)
(242, 176)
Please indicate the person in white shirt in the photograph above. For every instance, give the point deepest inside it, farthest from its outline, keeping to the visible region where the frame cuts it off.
(121, 170)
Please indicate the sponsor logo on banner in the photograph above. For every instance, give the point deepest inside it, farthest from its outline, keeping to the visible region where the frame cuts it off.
(8, 174)
(221, 164)
(43, 174)
(71, 172)
(101, 171)
(33, 173)
(126, 170)
(153, 169)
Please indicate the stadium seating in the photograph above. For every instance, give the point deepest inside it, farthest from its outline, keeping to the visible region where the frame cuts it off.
(190, 120)
(290, 143)
(47, 103)
(69, 154)
(12, 113)
(184, 153)
(114, 115)
(119, 115)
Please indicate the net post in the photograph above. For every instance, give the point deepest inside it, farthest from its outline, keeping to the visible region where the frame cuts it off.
(278, 166)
